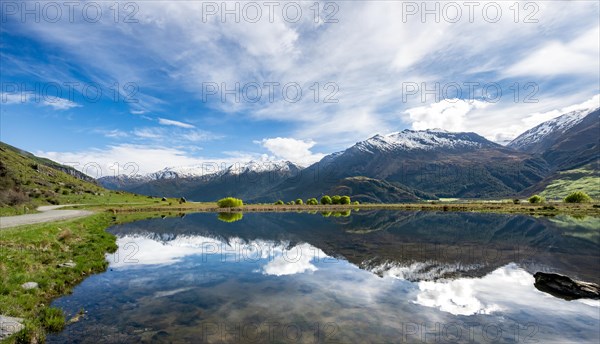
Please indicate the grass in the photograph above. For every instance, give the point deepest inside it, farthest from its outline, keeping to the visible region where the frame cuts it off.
(33, 254)
(582, 179)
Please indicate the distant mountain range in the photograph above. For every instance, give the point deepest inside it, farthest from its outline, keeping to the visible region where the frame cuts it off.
(404, 166)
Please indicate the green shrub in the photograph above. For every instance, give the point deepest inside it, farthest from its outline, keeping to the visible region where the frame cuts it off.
(230, 217)
(326, 200)
(536, 199)
(336, 199)
(312, 201)
(578, 197)
(299, 202)
(229, 202)
(345, 200)
(355, 203)
(280, 202)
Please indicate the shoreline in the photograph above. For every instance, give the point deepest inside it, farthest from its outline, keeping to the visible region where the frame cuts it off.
(547, 209)
(86, 242)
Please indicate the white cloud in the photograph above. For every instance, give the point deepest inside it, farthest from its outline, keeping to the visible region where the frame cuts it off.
(368, 54)
(579, 56)
(476, 116)
(60, 103)
(448, 114)
(173, 135)
(56, 103)
(148, 133)
(14, 98)
(114, 133)
(165, 121)
(296, 151)
(141, 159)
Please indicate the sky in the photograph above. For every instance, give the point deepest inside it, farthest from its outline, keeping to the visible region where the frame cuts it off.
(137, 86)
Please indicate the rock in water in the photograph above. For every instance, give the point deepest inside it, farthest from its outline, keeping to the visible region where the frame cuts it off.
(565, 288)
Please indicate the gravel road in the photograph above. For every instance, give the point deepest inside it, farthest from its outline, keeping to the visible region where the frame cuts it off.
(47, 214)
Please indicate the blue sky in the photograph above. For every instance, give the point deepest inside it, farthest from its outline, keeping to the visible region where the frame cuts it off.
(146, 85)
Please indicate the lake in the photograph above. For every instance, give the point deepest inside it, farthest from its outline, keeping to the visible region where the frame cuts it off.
(359, 277)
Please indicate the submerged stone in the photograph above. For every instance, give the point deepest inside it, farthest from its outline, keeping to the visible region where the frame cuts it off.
(565, 288)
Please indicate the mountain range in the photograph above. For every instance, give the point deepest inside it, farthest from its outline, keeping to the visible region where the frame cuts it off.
(404, 166)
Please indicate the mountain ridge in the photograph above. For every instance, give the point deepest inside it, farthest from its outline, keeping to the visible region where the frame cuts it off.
(545, 134)
(407, 165)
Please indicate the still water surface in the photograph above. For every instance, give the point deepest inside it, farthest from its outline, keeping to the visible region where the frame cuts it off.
(370, 277)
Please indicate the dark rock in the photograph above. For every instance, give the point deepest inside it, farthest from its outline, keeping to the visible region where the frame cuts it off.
(164, 199)
(182, 200)
(565, 288)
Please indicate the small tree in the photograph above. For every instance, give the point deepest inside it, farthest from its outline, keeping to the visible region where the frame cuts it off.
(325, 200)
(229, 202)
(280, 202)
(336, 199)
(355, 203)
(578, 197)
(312, 201)
(299, 201)
(536, 199)
(345, 200)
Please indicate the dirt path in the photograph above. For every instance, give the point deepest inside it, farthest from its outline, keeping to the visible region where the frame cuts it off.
(47, 214)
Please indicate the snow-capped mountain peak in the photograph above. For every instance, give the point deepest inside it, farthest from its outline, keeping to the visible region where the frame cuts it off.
(261, 166)
(213, 170)
(533, 139)
(423, 140)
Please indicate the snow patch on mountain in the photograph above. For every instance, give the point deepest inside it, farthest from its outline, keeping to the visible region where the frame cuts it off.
(429, 139)
(211, 170)
(555, 126)
(261, 167)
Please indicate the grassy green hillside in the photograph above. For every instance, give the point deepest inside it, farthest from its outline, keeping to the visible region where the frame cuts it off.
(586, 179)
(27, 181)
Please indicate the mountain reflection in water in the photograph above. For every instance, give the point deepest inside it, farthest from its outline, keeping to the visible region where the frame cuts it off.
(370, 277)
